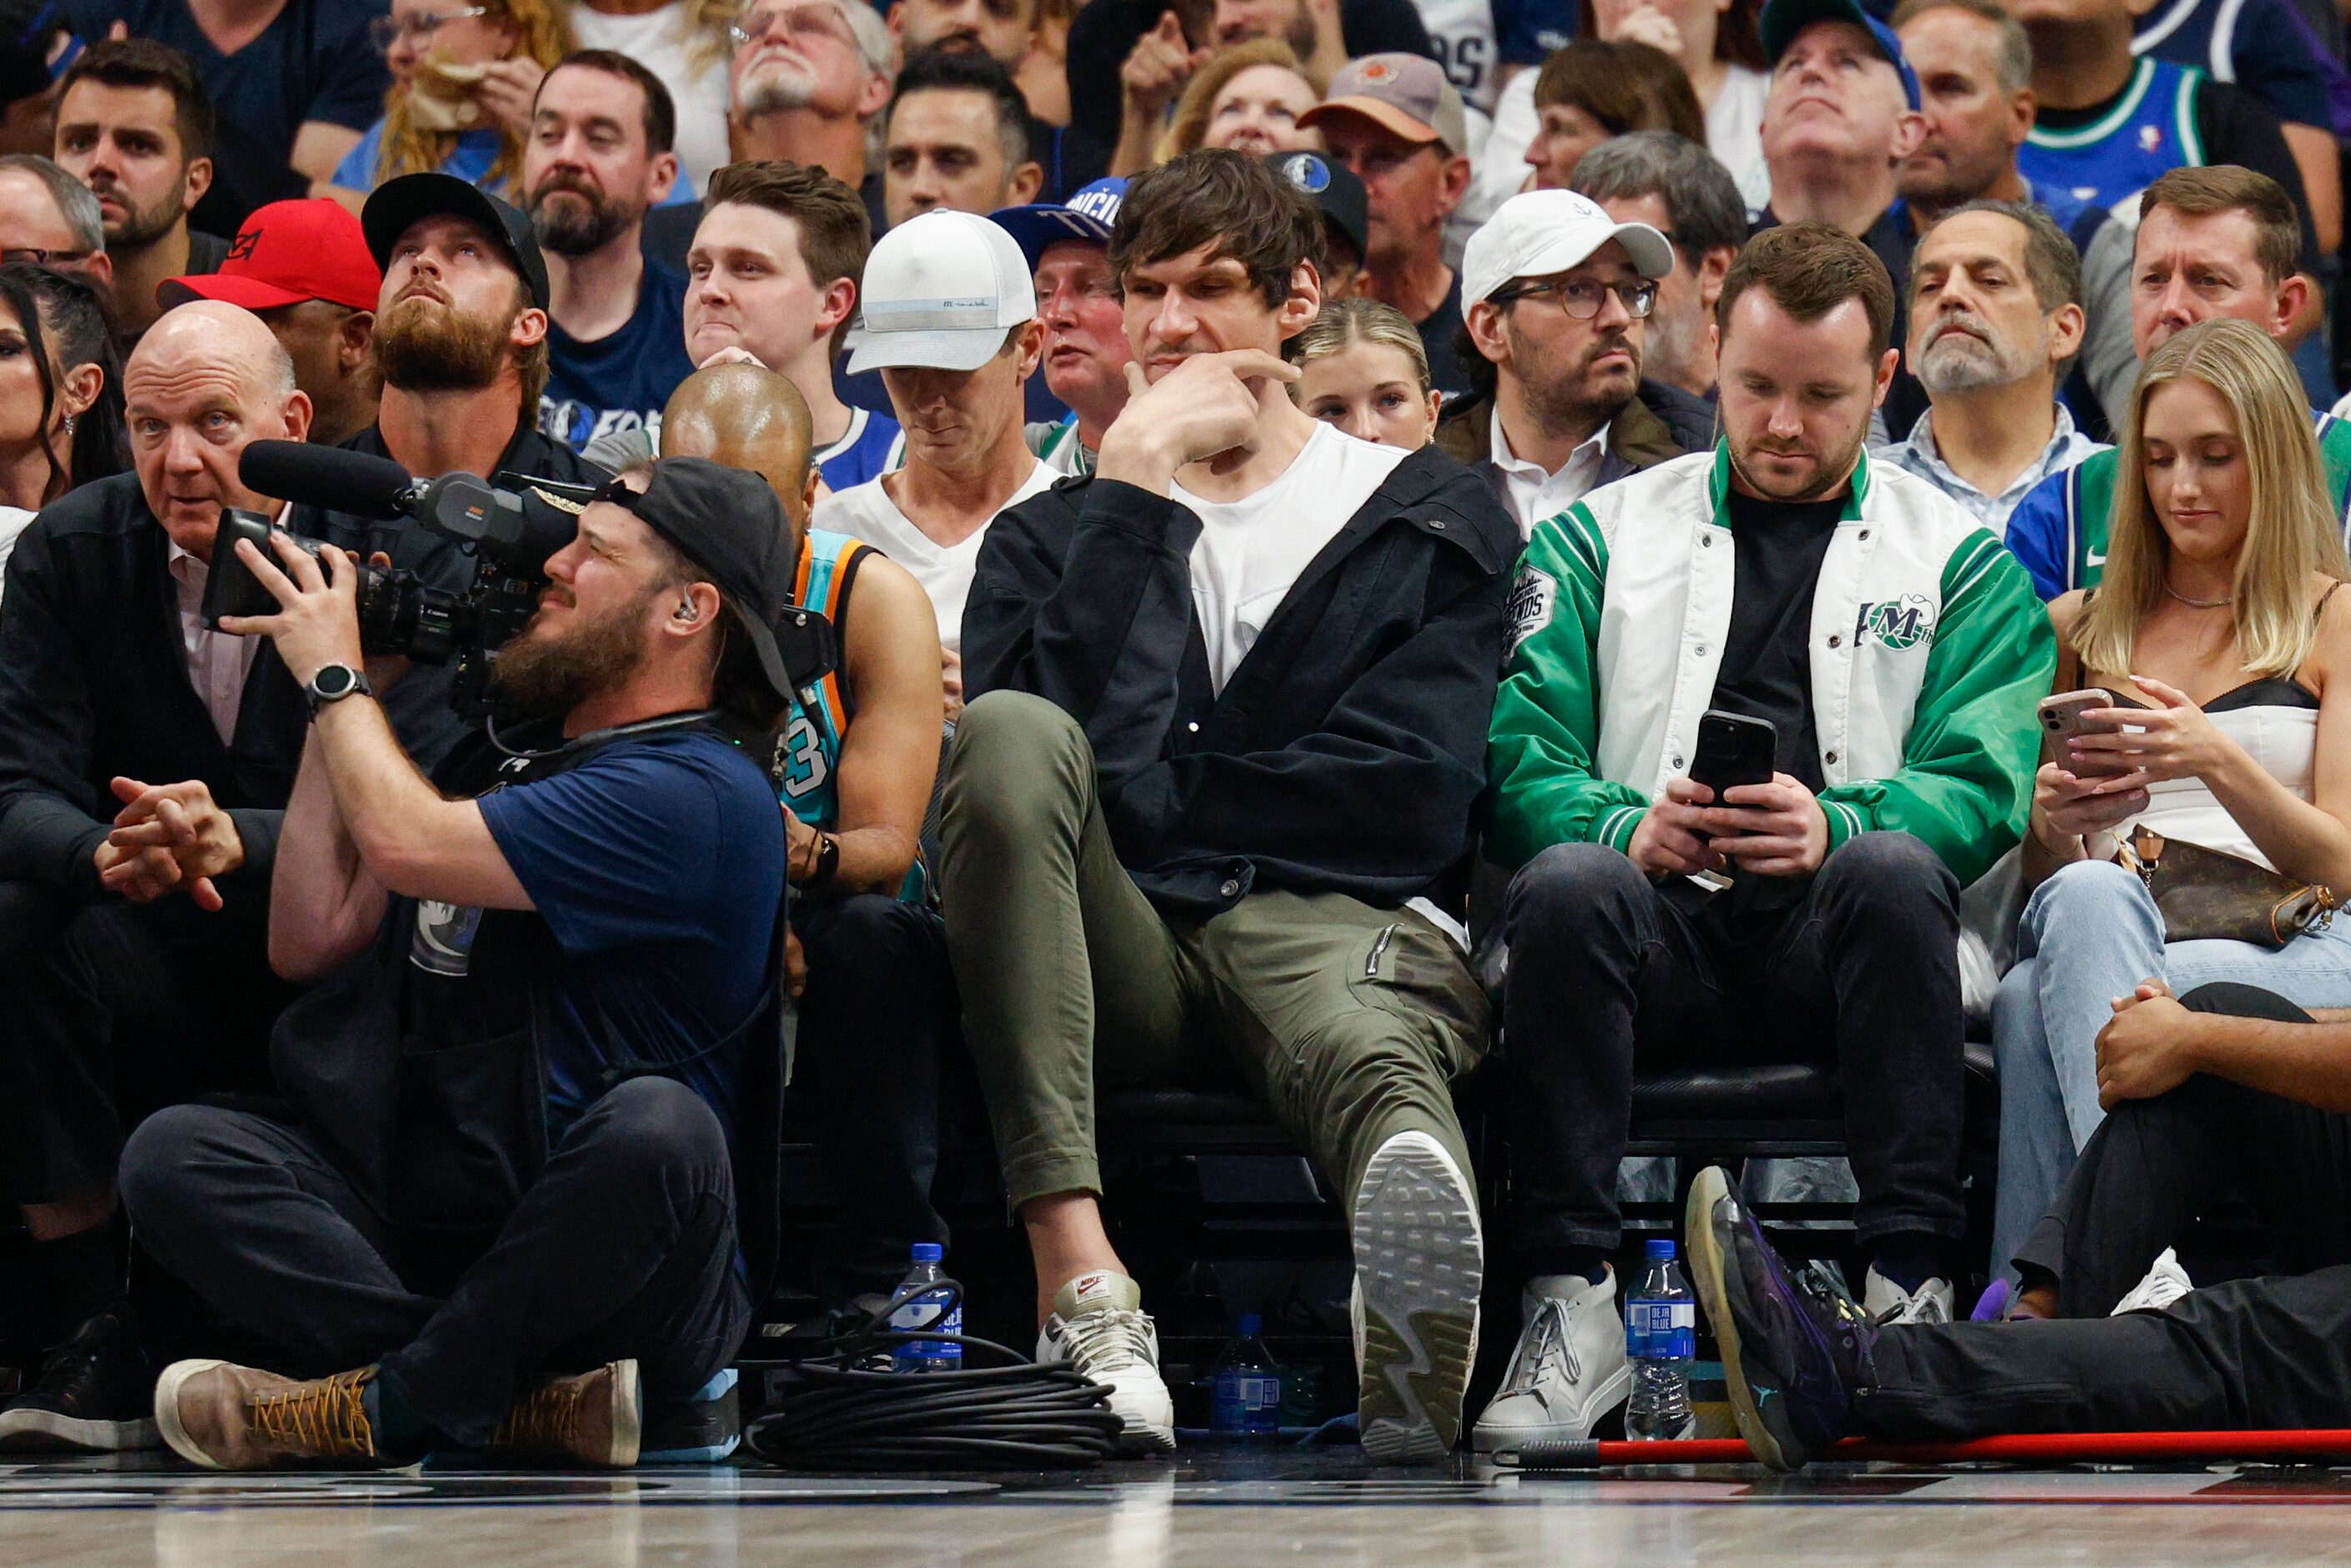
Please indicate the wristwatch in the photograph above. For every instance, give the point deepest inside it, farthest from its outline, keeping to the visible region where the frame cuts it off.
(333, 684)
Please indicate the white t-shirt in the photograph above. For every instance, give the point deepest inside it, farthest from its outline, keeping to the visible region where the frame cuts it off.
(12, 523)
(657, 41)
(866, 512)
(1251, 550)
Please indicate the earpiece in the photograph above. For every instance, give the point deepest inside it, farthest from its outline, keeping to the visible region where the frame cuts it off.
(686, 612)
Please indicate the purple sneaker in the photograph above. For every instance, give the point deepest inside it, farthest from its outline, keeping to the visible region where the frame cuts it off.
(1791, 1358)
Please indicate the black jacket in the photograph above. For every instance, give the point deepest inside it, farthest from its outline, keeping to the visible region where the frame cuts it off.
(419, 706)
(94, 682)
(1344, 753)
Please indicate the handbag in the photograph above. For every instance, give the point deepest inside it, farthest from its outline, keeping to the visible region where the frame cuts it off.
(2210, 894)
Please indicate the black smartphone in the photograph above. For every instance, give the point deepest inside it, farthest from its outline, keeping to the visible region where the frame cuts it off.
(231, 588)
(1733, 749)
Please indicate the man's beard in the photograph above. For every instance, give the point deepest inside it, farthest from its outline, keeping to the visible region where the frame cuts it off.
(143, 228)
(546, 677)
(1563, 404)
(570, 229)
(1829, 470)
(425, 345)
(1959, 363)
(778, 89)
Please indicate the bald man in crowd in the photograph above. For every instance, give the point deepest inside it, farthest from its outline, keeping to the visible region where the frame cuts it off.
(139, 972)
(854, 776)
(745, 416)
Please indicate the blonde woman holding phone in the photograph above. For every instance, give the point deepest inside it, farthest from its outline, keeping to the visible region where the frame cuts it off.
(2219, 631)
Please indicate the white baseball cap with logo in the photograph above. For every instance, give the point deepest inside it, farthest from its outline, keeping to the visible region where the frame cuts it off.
(1536, 234)
(940, 292)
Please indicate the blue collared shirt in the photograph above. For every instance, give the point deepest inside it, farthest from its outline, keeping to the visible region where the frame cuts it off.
(1918, 455)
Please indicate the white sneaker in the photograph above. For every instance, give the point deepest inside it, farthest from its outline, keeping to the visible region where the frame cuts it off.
(1889, 1303)
(1419, 1257)
(2165, 1283)
(1568, 1371)
(1098, 1326)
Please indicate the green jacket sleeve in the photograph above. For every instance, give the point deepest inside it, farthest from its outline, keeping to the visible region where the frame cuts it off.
(1541, 785)
(1966, 782)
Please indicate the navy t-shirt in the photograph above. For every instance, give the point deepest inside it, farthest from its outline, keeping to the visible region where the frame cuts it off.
(314, 61)
(661, 858)
(621, 381)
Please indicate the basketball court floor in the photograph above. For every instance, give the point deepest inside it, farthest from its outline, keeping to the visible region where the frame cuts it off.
(1215, 1509)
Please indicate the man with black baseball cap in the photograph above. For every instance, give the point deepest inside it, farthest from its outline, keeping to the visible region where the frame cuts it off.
(517, 1122)
(460, 344)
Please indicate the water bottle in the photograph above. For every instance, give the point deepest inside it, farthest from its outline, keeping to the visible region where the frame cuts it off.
(925, 1312)
(1661, 1342)
(1245, 1391)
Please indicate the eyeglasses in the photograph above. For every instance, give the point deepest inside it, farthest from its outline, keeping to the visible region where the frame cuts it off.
(1580, 297)
(800, 21)
(34, 256)
(386, 31)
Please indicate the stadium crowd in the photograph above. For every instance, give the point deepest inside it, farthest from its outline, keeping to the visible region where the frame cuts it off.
(1824, 511)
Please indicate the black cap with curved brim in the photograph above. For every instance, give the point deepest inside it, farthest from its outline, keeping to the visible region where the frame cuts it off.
(729, 523)
(1335, 191)
(399, 203)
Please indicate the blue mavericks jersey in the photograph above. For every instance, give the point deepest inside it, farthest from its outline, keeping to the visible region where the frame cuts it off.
(2151, 131)
(872, 446)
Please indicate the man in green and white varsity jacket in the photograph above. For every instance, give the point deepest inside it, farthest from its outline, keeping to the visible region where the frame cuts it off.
(1898, 652)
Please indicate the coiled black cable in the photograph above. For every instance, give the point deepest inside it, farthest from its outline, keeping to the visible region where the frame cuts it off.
(837, 1414)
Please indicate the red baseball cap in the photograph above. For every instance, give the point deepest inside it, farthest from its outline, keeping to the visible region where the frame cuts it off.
(285, 253)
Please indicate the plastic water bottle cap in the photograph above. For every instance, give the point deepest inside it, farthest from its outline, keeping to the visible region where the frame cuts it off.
(1252, 1325)
(929, 1252)
(1658, 1247)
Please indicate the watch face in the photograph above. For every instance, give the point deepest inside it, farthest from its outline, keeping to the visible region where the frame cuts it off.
(334, 680)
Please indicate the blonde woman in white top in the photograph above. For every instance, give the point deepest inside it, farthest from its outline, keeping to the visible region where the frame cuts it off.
(2219, 630)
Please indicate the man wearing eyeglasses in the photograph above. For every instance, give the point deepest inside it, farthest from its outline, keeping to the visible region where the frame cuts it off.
(1559, 298)
(1894, 652)
(809, 76)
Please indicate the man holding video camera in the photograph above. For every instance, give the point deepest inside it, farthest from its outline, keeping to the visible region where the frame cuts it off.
(134, 978)
(460, 343)
(1788, 902)
(503, 1211)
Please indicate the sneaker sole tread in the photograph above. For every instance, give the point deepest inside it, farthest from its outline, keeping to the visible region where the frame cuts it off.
(1420, 1258)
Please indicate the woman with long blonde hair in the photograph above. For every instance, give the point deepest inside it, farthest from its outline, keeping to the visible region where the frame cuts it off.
(463, 77)
(2217, 633)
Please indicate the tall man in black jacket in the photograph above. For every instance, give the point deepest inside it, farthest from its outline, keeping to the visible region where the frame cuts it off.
(129, 985)
(1225, 742)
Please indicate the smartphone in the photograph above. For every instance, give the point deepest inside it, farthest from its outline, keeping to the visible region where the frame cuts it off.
(1733, 749)
(2066, 716)
(231, 588)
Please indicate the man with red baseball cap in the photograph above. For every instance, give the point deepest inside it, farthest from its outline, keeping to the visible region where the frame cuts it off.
(305, 269)
(1395, 123)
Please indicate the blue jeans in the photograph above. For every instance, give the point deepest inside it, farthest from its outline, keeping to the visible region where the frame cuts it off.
(2092, 933)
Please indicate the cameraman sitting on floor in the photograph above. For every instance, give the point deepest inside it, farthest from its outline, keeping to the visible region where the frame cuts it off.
(505, 1212)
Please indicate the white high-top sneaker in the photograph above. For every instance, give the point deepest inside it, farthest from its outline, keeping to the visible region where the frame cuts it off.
(2165, 1283)
(1099, 1327)
(1569, 1369)
(1419, 1257)
(1889, 1303)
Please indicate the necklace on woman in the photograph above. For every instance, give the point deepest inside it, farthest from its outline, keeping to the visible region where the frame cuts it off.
(2197, 604)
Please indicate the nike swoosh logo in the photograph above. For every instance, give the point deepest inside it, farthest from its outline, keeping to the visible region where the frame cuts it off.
(2092, 558)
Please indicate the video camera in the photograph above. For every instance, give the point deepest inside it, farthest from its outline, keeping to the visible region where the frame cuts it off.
(510, 529)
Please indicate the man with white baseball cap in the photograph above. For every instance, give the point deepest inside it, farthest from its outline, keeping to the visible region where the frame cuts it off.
(1558, 295)
(950, 320)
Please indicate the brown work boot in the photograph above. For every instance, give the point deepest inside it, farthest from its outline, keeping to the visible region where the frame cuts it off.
(594, 1418)
(229, 1418)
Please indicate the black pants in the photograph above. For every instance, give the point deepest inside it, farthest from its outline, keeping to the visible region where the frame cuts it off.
(623, 1247)
(116, 1010)
(1608, 970)
(2152, 1165)
(877, 1024)
(2270, 1352)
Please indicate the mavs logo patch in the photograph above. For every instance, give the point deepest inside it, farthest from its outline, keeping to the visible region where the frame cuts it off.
(1307, 172)
(1896, 623)
(1528, 610)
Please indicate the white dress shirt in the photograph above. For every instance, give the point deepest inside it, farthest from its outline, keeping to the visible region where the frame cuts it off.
(1533, 493)
(217, 662)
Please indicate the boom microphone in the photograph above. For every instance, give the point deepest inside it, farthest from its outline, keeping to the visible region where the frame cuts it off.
(330, 478)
